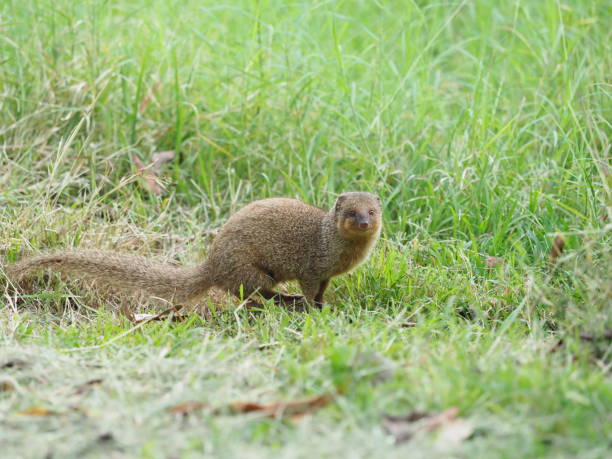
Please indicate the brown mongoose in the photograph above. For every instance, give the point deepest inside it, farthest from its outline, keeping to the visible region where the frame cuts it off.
(267, 242)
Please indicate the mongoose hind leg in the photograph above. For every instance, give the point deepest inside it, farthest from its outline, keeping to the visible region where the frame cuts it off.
(254, 280)
(250, 280)
(282, 299)
(295, 303)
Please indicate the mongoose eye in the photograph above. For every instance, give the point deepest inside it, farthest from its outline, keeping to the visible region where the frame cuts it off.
(352, 213)
(371, 212)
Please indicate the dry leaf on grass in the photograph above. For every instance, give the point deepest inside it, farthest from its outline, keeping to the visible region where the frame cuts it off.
(493, 262)
(451, 428)
(149, 173)
(7, 386)
(86, 386)
(175, 317)
(40, 411)
(172, 312)
(150, 179)
(160, 158)
(557, 249)
(294, 409)
(454, 432)
(37, 411)
(188, 408)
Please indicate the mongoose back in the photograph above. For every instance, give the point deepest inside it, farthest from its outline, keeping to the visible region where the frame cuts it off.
(266, 242)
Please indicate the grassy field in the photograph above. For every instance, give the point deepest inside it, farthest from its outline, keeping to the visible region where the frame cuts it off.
(484, 126)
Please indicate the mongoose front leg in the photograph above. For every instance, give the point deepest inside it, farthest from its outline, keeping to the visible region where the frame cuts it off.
(313, 290)
(318, 299)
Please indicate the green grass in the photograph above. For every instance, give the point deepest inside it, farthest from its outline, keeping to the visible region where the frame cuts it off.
(484, 126)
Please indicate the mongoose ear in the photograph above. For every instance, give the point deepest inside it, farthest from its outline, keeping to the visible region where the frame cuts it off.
(339, 200)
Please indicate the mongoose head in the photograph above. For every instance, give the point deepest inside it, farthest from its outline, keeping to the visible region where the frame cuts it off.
(358, 215)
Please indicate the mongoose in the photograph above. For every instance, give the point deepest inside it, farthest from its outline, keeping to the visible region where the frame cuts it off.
(267, 242)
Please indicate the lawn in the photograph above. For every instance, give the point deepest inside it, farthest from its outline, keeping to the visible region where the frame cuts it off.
(483, 126)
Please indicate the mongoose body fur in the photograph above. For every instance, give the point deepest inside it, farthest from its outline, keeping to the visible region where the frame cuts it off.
(267, 242)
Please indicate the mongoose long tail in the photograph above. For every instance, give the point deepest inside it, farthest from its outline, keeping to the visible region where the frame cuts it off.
(128, 272)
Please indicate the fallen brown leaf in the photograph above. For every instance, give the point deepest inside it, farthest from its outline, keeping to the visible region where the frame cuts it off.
(86, 386)
(138, 163)
(557, 249)
(493, 262)
(175, 317)
(142, 317)
(454, 432)
(149, 175)
(188, 408)
(403, 428)
(160, 158)
(37, 411)
(437, 419)
(6, 386)
(293, 409)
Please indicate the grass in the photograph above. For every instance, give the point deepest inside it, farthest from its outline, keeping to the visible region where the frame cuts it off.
(484, 126)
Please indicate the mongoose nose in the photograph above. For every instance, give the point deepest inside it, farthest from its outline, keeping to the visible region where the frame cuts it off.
(363, 225)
